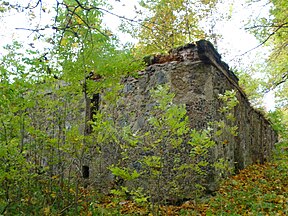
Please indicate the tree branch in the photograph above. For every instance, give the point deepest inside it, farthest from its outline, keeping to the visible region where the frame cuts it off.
(263, 42)
(283, 80)
(111, 13)
(72, 12)
(284, 25)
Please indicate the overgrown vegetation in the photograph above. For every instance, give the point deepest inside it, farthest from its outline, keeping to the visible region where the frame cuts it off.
(52, 131)
(256, 190)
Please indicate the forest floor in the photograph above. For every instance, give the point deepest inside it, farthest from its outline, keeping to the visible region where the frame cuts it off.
(260, 189)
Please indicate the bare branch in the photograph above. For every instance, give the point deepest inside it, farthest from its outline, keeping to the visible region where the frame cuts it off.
(33, 7)
(284, 25)
(263, 42)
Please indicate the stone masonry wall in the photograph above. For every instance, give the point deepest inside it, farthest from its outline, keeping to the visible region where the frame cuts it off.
(196, 74)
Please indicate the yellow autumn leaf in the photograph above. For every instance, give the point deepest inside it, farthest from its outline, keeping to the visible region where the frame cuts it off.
(46, 210)
(55, 177)
(75, 45)
(280, 199)
(63, 42)
(79, 21)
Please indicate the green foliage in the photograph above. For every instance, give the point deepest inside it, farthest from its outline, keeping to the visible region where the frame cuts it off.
(252, 87)
(168, 24)
(259, 189)
(256, 190)
(225, 129)
(46, 110)
(226, 125)
(279, 121)
(271, 31)
(230, 101)
(158, 155)
(14, 102)
(170, 153)
(42, 137)
(124, 173)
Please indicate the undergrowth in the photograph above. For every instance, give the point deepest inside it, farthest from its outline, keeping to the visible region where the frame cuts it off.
(260, 189)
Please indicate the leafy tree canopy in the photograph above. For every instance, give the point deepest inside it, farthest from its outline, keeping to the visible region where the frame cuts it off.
(271, 30)
(167, 24)
(48, 129)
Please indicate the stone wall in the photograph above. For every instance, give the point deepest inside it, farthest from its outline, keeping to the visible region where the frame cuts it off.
(196, 74)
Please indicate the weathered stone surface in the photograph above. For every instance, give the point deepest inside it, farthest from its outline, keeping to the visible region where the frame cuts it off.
(197, 76)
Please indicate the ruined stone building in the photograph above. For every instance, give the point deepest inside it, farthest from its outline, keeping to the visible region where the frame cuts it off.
(196, 74)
